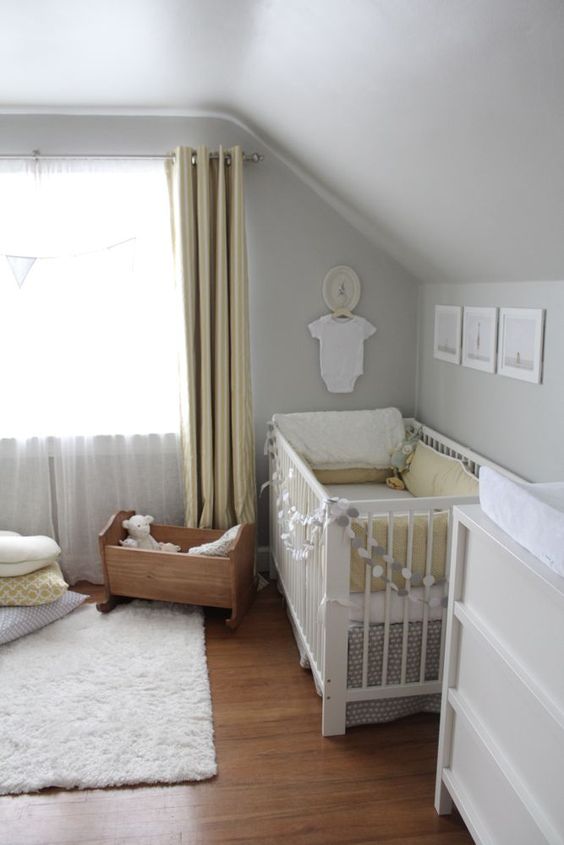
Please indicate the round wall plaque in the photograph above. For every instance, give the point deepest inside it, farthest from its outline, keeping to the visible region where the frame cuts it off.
(341, 288)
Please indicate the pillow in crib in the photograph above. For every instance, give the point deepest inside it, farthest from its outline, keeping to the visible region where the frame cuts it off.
(344, 439)
(218, 548)
(41, 587)
(354, 475)
(432, 474)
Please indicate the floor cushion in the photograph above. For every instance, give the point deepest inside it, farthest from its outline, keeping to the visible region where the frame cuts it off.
(40, 587)
(16, 622)
(22, 555)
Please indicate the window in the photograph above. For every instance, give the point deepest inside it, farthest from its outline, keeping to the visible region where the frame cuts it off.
(89, 422)
(87, 316)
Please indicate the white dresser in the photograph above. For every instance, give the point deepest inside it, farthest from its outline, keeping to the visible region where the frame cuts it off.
(501, 743)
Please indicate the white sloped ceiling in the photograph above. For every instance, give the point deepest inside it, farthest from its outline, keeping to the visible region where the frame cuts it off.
(437, 126)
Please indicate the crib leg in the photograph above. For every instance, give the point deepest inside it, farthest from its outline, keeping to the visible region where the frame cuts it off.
(334, 715)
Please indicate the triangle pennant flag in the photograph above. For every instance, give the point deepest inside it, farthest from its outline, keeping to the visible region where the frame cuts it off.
(20, 266)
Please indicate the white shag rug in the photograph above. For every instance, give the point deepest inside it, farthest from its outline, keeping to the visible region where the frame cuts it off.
(99, 700)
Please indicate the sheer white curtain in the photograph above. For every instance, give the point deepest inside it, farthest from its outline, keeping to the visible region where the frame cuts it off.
(96, 476)
(25, 487)
(88, 365)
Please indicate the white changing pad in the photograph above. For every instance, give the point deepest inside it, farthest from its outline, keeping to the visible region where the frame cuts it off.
(532, 514)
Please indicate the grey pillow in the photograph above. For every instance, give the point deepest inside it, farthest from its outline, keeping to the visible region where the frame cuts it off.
(16, 622)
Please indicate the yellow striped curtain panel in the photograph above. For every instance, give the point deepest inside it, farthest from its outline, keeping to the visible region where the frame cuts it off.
(208, 223)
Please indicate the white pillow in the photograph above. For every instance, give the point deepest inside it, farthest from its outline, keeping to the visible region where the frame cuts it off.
(344, 439)
(220, 547)
(22, 555)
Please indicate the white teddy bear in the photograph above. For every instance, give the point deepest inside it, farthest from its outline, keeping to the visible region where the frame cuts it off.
(139, 529)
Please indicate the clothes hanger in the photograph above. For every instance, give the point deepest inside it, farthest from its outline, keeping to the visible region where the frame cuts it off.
(342, 312)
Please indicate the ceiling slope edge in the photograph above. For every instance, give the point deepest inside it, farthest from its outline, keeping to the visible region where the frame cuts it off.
(268, 145)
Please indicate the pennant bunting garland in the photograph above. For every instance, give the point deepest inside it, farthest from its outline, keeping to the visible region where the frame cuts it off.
(20, 266)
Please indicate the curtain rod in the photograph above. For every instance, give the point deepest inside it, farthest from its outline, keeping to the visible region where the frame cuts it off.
(36, 155)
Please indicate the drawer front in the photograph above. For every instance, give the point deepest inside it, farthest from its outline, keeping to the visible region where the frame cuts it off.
(519, 609)
(529, 738)
(480, 783)
(169, 577)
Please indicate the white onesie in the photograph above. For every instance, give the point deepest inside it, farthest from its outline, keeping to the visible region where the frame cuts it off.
(341, 349)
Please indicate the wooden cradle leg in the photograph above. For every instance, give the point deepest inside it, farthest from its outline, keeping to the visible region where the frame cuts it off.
(110, 602)
(244, 601)
(243, 579)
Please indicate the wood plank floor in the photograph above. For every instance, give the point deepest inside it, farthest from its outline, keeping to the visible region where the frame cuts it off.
(279, 780)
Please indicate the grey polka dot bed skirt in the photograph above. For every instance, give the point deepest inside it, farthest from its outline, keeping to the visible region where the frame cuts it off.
(388, 709)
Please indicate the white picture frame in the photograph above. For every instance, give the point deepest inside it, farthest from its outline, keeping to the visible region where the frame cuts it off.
(448, 325)
(521, 339)
(479, 339)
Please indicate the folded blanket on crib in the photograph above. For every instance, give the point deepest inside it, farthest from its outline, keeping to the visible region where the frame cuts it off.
(344, 439)
(532, 514)
(359, 566)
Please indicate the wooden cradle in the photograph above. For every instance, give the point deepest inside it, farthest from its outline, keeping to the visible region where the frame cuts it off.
(175, 576)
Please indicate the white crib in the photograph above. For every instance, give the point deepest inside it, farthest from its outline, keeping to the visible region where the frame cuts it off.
(313, 568)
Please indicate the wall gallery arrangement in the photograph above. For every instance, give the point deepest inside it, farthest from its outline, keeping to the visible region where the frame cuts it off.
(512, 345)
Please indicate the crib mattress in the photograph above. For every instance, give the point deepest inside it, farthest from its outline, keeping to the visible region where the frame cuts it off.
(360, 492)
(377, 605)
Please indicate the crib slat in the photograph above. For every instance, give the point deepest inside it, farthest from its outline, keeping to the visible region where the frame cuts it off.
(388, 599)
(406, 602)
(445, 593)
(366, 614)
(425, 624)
(320, 579)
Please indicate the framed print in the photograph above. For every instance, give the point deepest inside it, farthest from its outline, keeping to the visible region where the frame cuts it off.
(521, 336)
(479, 339)
(448, 321)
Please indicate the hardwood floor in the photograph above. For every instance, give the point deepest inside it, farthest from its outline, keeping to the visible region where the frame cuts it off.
(279, 780)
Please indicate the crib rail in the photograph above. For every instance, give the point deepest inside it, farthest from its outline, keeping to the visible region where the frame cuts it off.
(302, 580)
(472, 460)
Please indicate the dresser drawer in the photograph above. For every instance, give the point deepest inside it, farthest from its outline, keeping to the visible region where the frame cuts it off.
(521, 613)
(480, 784)
(501, 738)
(530, 741)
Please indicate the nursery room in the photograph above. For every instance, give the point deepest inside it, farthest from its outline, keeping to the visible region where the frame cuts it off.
(281, 355)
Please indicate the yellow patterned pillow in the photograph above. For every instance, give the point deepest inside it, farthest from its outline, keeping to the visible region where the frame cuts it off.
(40, 587)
